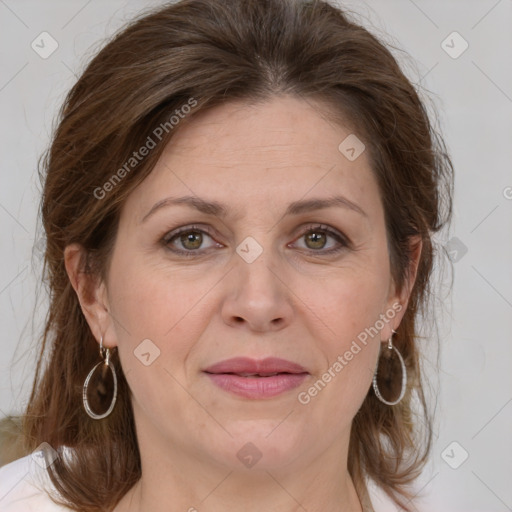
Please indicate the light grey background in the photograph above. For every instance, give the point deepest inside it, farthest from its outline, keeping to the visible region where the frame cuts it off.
(472, 92)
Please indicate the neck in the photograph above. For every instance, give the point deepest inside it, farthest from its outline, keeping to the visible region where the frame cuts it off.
(230, 493)
(184, 483)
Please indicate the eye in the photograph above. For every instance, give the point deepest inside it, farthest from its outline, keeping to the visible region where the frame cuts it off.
(316, 240)
(187, 240)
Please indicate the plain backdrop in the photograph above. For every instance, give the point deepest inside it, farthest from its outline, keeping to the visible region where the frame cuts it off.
(459, 54)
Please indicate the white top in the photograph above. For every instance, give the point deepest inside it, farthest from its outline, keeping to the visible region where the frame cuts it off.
(24, 484)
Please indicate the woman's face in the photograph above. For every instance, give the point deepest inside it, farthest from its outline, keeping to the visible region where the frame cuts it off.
(262, 272)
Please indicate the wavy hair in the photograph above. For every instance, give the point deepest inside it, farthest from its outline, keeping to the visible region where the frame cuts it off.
(217, 51)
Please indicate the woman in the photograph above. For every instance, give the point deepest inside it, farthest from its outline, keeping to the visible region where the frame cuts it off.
(239, 203)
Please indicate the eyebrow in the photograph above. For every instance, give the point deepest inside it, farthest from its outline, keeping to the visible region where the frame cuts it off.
(219, 210)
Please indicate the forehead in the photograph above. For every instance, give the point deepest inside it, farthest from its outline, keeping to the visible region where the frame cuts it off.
(268, 129)
(262, 153)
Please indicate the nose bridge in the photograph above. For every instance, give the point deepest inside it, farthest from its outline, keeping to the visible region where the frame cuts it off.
(257, 293)
(257, 265)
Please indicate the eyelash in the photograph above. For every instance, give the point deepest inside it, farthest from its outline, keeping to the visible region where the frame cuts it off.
(341, 239)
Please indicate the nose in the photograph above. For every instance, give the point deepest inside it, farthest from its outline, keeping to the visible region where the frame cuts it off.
(257, 297)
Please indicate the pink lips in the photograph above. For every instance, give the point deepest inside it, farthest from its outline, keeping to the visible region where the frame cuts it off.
(255, 379)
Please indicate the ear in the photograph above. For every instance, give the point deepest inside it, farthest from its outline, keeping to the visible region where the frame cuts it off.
(398, 301)
(92, 294)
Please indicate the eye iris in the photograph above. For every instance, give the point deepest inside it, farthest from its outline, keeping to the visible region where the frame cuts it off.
(316, 239)
(194, 237)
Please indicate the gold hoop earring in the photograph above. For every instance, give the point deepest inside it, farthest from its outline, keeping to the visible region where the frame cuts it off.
(404, 376)
(99, 396)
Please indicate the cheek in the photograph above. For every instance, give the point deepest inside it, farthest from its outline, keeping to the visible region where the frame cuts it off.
(353, 317)
(158, 317)
(349, 300)
(150, 303)
(154, 298)
(349, 308)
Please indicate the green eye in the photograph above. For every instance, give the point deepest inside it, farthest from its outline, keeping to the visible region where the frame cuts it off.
(316, 240)
(188, 241)
(191, 240)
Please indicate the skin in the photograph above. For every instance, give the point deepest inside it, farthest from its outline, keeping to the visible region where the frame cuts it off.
(290, 302)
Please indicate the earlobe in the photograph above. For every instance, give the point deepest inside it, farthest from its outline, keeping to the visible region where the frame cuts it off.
(90, 290)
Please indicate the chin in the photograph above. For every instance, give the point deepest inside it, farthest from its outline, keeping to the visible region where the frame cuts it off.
(260, 445)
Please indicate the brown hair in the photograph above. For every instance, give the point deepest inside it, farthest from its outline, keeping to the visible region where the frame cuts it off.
(216, 51)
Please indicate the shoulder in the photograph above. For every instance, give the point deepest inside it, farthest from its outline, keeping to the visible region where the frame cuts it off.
(25, 486)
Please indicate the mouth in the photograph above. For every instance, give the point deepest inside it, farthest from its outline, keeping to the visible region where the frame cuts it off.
(256, 379)
(243, 374)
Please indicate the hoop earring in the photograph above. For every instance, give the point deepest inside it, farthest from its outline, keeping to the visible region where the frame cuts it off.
(100, 391)
(404, 376)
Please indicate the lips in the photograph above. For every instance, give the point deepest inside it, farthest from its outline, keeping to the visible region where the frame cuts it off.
(246, 367)
(256, 379)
